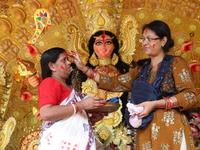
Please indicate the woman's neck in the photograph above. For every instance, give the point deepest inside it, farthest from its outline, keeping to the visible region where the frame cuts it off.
(156, 60)
(62, 81)
(104, 61)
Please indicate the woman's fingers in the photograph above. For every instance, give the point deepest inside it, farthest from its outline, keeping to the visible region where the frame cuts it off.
(99, 103)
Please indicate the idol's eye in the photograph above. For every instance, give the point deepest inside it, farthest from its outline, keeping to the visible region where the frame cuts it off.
(108, 42)
(192, 118)
(198, 125)
(98, 43)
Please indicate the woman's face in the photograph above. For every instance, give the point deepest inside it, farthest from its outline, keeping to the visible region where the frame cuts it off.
(62, 66)
(103, 46)
(151, 43)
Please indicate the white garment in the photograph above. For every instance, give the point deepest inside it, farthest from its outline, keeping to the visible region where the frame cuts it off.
(183, 143)
(72, 133)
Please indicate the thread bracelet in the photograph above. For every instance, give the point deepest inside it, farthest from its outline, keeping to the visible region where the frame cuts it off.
(92, 74)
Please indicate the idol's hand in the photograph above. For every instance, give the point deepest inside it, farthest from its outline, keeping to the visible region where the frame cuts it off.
(194, 67)
(34, 80)
(37, 115)
(186, 46)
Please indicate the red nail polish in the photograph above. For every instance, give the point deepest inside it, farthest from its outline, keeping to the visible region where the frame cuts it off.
(67, 54)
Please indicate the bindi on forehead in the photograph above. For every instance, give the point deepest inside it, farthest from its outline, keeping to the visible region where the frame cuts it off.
(103, 38)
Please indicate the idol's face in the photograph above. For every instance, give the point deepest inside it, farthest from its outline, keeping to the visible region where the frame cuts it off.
(103, 45)
(195, 124)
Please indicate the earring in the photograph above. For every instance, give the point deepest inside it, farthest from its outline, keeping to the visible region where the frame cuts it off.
(54, 69)
(114, 59)
(93, 60)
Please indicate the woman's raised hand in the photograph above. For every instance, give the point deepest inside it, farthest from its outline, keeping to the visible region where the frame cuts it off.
(76, 59)
(79, 64)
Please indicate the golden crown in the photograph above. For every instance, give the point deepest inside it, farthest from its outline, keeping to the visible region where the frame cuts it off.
(101, 15)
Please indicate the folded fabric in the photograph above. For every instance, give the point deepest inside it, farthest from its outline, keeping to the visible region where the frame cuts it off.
(133, 112)
(114, 100)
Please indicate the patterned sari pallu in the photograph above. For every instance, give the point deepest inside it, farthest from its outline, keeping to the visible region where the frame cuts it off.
(72, 133)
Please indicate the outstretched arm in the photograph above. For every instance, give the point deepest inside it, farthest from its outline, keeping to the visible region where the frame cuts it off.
(88, 71)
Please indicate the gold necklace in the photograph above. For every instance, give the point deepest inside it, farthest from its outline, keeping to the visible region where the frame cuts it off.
(104, 61)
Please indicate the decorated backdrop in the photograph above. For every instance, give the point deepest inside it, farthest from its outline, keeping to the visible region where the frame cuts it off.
(29, 27)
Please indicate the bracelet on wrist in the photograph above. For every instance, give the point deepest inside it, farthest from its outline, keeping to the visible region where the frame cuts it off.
(87, 70)
(168, 103)
(74, 108)
(77, 109)
(92, 74)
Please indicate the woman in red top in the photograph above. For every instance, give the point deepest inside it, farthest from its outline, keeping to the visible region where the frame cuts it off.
(66, 123)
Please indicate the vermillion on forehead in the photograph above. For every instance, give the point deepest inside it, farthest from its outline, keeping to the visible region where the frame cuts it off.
(146, 30)
(69, 57)
(103, 36)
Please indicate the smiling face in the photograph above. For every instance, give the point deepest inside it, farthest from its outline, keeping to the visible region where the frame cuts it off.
(103, 46)
(151, 43)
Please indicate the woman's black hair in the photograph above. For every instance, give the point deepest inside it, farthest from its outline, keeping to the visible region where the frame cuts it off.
(161, 29)
(50, 55)
(121, 66)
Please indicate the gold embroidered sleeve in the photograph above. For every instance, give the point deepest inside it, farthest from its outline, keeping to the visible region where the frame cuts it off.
(121, 83)
(187, 94)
